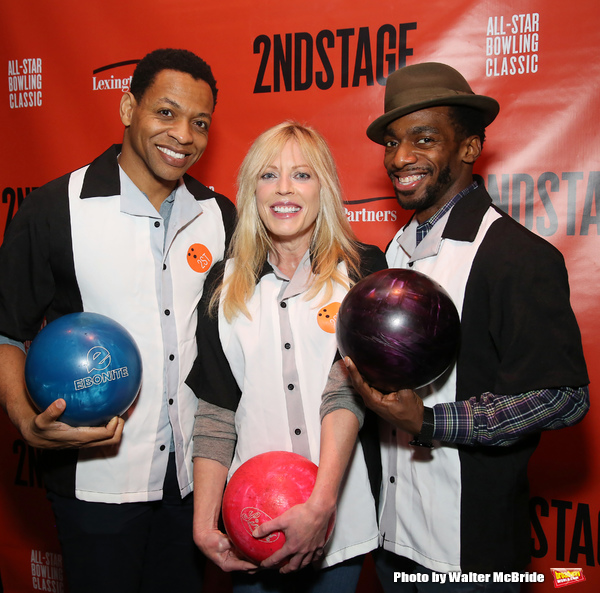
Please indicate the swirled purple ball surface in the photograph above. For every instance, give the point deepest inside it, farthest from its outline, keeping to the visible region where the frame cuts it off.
(401, 329)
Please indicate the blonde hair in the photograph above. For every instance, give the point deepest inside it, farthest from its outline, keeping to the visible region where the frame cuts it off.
(332, 241)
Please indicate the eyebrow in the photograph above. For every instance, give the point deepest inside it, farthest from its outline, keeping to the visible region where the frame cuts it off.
(414, 130)
(424, 130)
(307, 166)
(178, 106)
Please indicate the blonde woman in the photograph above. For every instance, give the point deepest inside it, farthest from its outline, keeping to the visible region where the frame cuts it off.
(266, 341)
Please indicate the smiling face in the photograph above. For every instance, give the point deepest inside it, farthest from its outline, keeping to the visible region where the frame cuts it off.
(287, 198)
(166, 131)
(425, 160)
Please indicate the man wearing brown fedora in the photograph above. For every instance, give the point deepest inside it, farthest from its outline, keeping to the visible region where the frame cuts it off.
(454, 495)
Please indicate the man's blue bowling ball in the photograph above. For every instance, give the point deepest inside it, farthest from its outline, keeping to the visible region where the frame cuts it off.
(401, 329)
(90, 361)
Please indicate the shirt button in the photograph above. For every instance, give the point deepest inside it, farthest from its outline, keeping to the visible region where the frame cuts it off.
(291, 387)
(411, 264)
(167, 312)
(283, 305)
(162, 447)
(156, 224)
(171, 357)
(164, 266)
(287, 346)
(171, 402)
(392, 479)
(298, 431)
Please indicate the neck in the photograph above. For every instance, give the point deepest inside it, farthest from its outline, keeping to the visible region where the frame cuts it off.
(156, 190)
(425, 214)
(287, 255)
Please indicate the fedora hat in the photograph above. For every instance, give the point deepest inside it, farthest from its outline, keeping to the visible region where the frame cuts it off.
(427, 85)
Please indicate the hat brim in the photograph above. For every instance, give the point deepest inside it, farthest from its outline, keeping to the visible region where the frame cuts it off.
(489, 107)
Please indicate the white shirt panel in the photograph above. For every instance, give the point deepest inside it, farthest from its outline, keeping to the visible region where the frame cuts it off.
(254, 350)
(120, 268)
(414, 521)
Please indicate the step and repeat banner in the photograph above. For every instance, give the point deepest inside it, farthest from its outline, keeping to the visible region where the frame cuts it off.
(67, 63)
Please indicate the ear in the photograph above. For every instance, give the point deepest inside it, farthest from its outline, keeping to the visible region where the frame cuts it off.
(126, 108)
(471, 149)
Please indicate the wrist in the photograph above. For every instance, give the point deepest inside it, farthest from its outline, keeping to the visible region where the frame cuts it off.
(425, 436)
(24, 421)
(323, 504)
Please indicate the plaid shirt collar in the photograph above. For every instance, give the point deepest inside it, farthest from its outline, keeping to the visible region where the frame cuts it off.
(425, 227)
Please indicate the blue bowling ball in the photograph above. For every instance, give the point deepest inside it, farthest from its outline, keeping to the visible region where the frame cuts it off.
(90, 361)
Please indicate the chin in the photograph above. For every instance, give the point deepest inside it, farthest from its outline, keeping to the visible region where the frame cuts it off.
(172, 174)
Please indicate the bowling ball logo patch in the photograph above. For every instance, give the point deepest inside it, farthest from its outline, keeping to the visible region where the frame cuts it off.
(252, 517)
(327, 317)
(98, 359)
(199, 258)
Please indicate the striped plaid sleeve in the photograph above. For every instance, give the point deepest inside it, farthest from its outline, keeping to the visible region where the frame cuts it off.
(502, 419)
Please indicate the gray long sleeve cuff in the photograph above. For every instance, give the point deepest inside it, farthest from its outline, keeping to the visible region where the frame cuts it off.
(214, 433)
(340, 394)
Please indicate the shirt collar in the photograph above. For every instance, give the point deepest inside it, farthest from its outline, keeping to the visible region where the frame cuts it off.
(425, 227)
(102, 178)
(133, 200)
(465, 218)
(299, 282)
(136, 203)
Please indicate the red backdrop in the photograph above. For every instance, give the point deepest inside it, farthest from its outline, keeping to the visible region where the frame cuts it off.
(325, 63)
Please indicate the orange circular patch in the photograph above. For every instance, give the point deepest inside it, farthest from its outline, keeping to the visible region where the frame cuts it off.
(199, 257)
(327, 317)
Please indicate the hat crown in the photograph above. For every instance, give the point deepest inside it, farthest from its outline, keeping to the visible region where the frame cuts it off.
(426, 85)
(422, 82)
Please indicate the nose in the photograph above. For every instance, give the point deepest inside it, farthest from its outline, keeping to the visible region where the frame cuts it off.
(403, 155)
(284, 185)
(180, 131)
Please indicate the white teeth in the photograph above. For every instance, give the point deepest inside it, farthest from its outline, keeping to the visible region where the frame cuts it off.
(286, 209)
(410, 179)
(172, 153)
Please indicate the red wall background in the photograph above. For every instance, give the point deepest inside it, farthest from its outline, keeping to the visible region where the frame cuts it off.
(325, 64)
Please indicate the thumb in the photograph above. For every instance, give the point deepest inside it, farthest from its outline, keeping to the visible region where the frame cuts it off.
(266, 528)
(50, 415)
(355, 376)
(54, 410)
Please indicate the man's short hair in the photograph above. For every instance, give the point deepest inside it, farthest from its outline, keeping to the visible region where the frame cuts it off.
(180, 60)
(467, 121)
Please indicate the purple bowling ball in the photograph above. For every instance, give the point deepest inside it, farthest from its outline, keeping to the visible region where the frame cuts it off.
(400, 328)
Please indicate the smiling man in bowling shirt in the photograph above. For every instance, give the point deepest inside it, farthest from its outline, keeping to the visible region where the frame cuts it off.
(115, 238)
(455, 453)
